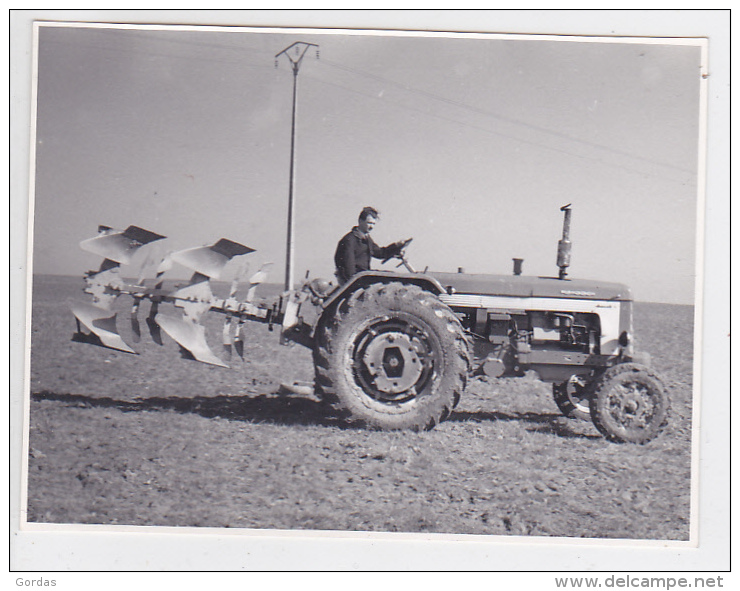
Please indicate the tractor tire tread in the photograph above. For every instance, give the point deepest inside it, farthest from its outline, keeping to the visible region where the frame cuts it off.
(599, 414)
(391, 295)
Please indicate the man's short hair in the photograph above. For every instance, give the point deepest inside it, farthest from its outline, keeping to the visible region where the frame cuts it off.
(369, 212)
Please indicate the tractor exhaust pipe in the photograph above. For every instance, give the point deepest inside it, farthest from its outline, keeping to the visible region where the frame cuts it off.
(564, 244)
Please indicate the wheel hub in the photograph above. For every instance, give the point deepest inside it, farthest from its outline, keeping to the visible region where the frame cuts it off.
(633, 406)
(393, 361)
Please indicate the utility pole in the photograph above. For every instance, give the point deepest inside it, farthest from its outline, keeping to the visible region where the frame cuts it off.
(299, 49)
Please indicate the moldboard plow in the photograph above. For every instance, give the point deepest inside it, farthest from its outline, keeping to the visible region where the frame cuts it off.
(97, 322)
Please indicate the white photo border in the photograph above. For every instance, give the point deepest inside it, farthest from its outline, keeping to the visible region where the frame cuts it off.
(99, 548)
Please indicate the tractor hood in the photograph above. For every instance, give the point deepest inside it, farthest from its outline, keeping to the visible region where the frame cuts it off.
(525, 286)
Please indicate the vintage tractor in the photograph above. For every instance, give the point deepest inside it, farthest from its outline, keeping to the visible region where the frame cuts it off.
(395, 350)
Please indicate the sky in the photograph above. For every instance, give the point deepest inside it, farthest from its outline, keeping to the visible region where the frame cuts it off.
(468, 144)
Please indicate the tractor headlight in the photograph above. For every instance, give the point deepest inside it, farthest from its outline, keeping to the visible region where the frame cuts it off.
(624, 338)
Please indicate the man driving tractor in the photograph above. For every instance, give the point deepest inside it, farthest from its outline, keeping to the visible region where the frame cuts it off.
(356, 248)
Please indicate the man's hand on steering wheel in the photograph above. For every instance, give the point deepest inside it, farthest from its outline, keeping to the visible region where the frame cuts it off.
(401, 245)
(399, 248)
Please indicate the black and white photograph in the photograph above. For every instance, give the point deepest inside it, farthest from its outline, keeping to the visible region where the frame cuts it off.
(355, 282)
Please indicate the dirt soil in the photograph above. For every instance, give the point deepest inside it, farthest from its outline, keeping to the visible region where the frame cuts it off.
(157, 440)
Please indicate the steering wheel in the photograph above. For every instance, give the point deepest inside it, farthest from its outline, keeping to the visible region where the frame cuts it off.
(400, 250)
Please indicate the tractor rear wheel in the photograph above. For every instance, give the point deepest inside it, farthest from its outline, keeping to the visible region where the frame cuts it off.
(629, 404)
(393, 356)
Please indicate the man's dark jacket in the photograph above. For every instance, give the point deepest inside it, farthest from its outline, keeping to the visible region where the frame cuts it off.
(354, 252)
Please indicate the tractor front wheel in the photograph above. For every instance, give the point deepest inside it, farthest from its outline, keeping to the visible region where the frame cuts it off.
(629, 404)
(392, 357)
(572, 398)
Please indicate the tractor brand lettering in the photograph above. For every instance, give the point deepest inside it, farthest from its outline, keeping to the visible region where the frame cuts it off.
(577, 292)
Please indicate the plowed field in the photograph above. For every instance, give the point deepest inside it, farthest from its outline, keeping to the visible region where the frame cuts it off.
(157, 440)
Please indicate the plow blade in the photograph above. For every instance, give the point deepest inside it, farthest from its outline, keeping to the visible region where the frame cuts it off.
(210, 260)
(117, 245)
(191, 337)
(256, 279)
(102, 326)
(195, 299)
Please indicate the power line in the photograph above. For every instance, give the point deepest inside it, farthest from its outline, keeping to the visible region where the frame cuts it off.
(404, 87)
(480, 111)
(500, 134)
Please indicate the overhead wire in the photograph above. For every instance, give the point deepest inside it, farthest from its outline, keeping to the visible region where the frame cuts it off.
(487, 113)
(420, 92)
(539, 145)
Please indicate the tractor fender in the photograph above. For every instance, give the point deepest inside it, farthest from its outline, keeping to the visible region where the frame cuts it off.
(366, 278)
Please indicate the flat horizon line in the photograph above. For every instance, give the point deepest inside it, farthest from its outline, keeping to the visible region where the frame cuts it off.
(276, 284)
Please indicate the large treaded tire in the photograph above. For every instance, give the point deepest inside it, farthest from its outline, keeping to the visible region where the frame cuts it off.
(630, 404)
(387, 328)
